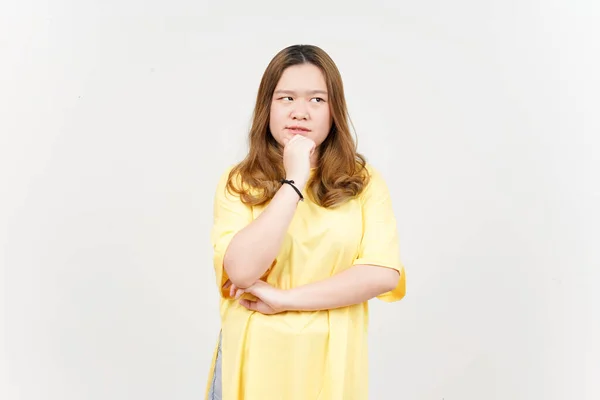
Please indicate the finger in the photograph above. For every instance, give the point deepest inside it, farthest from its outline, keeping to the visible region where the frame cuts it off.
(263, 308)
(289, 141)
(249, 289)
(226, 284)
(232, 290)
(238, 293)
(258, 306)
(294, 138)
(250, 305)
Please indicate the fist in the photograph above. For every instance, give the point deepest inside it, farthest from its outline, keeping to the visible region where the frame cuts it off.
(296, 158)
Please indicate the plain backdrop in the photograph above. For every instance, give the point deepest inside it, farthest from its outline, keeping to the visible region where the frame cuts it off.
(117, 118)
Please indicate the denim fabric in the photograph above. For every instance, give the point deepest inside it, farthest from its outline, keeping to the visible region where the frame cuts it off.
(215, 388)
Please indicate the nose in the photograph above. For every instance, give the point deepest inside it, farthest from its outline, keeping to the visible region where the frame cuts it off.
(300, 112)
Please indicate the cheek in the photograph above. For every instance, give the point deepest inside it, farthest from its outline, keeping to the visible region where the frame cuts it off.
(325, 122)
(275, 118)
(276, 123)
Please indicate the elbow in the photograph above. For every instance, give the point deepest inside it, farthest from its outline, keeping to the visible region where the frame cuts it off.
(242, 282)
(382, 279)
(243, 272)
(240, 273)
(236, 272)
(389, 279)
(238, 276)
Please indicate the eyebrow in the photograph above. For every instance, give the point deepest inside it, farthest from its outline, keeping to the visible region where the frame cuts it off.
(283, 91)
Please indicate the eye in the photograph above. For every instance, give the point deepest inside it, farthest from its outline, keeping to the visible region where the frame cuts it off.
(286, 97)
(319, 98)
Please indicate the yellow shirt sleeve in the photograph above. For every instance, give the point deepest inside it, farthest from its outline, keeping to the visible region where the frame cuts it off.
(380, 245)
(230, 215)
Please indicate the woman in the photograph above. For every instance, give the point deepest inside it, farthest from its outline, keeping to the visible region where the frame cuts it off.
(304, 235)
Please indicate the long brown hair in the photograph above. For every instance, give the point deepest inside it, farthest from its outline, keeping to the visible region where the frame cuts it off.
(340, 172)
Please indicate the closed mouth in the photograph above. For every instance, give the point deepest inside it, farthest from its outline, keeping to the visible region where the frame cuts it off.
(297, 128)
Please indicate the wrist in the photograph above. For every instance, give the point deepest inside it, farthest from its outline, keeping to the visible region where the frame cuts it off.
(294, 186)
(289, 301)
(299, 181)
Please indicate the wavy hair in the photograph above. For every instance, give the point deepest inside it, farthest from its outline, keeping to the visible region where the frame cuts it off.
(340, 172)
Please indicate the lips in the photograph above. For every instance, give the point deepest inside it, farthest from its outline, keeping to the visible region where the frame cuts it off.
(297, 129)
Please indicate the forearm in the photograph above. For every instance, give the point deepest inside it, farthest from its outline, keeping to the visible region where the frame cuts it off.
(355, 285)
(253, 249)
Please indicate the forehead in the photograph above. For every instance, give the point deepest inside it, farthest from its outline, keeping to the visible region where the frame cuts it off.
(302, 77)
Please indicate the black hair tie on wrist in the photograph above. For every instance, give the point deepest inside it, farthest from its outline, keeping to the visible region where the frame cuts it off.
(291, 183)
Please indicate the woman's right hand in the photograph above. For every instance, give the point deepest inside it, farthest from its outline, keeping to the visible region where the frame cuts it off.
(296, 158)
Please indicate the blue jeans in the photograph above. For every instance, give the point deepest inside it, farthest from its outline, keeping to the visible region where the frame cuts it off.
(215, 392)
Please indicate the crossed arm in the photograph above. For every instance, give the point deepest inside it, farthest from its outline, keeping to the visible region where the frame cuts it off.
(355, 285)
(252, 250)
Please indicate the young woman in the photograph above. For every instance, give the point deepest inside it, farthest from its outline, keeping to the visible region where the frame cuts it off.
(304, 235)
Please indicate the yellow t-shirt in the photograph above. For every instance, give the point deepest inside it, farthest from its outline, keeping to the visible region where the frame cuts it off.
(305, 355)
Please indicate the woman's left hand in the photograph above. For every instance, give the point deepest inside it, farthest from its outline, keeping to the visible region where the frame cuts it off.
(269, 300)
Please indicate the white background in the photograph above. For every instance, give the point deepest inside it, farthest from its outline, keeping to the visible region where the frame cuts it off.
(117, 118)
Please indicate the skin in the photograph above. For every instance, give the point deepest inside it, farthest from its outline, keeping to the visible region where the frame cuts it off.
(299, 99)
(352, 286)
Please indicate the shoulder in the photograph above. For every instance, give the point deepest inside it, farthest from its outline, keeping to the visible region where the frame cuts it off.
(225, 174)
(372, 170)
(231, 172)
(375, 185)
(232, 185)
(224, 177)
(374, 176)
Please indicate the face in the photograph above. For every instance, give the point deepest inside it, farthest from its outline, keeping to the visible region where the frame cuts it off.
(300, 105)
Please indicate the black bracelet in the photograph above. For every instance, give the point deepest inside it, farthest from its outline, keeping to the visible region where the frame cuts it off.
(291, 183)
